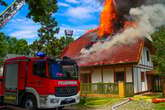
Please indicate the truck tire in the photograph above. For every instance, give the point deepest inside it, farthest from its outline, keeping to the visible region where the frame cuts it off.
(30, 102)
(1, 101)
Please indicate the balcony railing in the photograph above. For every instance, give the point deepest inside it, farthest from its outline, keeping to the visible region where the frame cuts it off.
(99, 88)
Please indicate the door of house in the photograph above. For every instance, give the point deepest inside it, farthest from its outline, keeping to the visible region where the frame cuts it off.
(119, 76)
(150, 82)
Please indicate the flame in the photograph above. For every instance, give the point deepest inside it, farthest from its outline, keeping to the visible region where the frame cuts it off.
(108, 16)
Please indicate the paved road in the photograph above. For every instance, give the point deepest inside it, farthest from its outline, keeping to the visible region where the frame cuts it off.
(18, 108)
(66, 108)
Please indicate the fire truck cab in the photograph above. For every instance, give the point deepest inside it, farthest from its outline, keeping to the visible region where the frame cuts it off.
(40, 82)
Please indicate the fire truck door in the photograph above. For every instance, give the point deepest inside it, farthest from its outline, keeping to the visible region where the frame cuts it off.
(11, 83)
(39, 74)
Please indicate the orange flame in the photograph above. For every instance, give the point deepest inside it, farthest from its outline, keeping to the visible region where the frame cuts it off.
(108, 16)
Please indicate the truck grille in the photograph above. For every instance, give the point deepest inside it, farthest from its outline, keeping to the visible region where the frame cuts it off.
(66, 91)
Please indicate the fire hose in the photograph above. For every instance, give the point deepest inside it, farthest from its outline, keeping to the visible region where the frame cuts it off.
(114, 107)
(158, 100)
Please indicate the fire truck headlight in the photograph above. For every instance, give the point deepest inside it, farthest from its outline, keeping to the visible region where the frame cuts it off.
(78, 98)
(53, 100)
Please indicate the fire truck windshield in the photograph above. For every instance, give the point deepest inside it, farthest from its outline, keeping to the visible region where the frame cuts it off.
(63, 71)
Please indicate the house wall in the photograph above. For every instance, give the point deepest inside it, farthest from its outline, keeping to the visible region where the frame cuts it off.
(143, 60)
(143, 66)
(129, 74)
(108, 74)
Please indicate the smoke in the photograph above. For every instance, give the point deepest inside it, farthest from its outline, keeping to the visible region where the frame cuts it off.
(147, 2)
(123, 6)
(148, 19)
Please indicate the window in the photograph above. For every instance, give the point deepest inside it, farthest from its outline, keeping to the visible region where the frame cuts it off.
(60, 71)
(148, 55)
(11, 74)
(39, 68)
(142, 77)
(119, 76)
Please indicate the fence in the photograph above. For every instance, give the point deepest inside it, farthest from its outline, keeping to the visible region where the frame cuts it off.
(106, 88)
(129, 89)
(99, 88)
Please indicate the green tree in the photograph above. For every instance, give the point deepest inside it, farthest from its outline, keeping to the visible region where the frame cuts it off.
(22, 47)
(11, 45)
(3, 46)
(41, 12)
(16, 46)
(12, 41)
(52, 46)
(159, 44)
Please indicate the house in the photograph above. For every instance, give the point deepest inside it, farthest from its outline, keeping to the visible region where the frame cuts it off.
(127, 63)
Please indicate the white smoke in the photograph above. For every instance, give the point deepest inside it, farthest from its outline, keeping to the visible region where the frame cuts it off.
(148, 19)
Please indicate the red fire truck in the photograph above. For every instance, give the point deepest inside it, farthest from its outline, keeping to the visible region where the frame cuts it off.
(40, 82)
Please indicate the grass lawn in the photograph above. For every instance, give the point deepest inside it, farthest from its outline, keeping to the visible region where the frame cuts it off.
(91, 102)
(140, 102)
(144, 102)
(159, 106)
(156, 106)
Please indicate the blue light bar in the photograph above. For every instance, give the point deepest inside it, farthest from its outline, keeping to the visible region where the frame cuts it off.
(40, 54)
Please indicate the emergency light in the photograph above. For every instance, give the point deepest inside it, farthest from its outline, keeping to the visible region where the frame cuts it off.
(40, 54)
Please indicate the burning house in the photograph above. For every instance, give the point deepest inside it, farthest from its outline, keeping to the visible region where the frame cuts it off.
(119, 49)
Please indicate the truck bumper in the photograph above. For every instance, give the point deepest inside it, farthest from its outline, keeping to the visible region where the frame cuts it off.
(51, 101)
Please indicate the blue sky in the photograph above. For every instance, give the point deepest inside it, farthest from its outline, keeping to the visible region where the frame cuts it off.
(78, 15)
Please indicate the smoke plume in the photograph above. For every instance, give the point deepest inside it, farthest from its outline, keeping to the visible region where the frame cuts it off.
(148, 19)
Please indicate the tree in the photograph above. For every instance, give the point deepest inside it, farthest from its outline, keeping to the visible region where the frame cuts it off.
(11, 45)
(52, 46)
(41, 12)
(159, 44)
(16, 46)
(3, 45)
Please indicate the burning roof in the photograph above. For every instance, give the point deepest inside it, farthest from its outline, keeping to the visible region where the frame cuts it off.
(115, 55)
(120, 36)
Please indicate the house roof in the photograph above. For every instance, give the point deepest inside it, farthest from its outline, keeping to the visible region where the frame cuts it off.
(120, 54)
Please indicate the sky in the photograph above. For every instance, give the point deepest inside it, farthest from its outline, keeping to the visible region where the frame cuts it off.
(77, 15)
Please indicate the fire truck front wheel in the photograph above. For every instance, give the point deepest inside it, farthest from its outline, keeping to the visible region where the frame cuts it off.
(30, 102)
